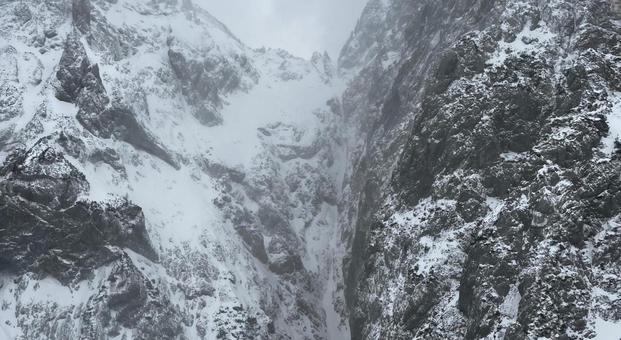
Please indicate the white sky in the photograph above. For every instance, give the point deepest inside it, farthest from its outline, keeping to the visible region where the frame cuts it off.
(298, 26)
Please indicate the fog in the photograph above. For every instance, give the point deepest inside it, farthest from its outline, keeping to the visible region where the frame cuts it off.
(299, 26)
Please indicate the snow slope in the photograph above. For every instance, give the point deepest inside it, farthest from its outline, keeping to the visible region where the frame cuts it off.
(266, 172)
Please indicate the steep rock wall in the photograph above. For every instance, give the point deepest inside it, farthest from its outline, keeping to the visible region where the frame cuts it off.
(486, 178)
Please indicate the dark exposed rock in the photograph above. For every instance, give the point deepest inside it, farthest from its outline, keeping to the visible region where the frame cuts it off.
(204, 82)
(419, 305)
(80, 83)
(92, 97)
(71, 243)
(121, 123)
(72, 145)
(220, 171)
(129, 299)
(23, 13)
(199, 87)
(255, 242)
(10, 104)
(44, 176)
(287, 264)
(46, 228)
(447, 141)
(50, 33)
(81, 15)
(511, 146)
(108, 156)
(272, 219)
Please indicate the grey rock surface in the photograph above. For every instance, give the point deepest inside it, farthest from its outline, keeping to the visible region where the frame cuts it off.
(483, 227)
(48, 230)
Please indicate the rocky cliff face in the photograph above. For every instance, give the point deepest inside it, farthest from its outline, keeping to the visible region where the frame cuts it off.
(484, 194)
(456, 176)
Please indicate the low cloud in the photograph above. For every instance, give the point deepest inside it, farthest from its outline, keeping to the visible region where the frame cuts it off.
(299, 26)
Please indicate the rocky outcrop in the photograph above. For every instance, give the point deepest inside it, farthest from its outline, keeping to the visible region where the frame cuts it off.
(129, 300)
(80, 83)
(205, 82)
(23, 13)
(124, 302)
(108, 156)
(200, 88)
(81, 15)
(121, 123)
(47, 229)
(76, 74)
(484, 228)
(255, 242)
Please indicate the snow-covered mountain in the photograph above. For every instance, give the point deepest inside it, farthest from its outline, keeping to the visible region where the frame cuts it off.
(164, 180)
(454, 175)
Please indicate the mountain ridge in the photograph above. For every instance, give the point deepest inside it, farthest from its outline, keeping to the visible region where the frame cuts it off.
(450, 177)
